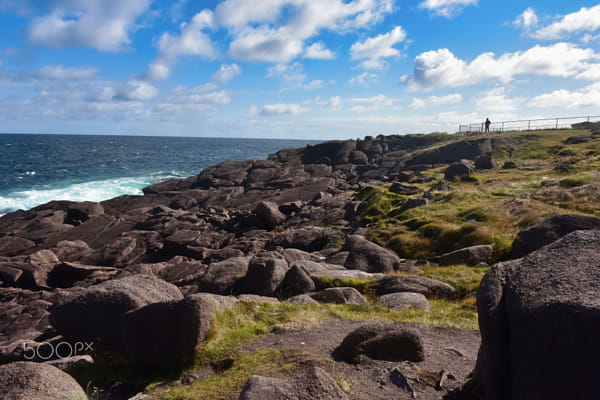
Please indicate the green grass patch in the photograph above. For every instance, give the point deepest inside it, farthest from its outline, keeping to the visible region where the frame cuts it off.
(461, 277)
(580, 179)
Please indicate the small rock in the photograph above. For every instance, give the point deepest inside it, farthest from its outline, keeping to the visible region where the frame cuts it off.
(340, 295)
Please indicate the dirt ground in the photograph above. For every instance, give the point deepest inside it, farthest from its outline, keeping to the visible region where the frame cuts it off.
(448, 351)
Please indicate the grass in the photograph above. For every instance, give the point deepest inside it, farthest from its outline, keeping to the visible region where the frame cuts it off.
(461, 277)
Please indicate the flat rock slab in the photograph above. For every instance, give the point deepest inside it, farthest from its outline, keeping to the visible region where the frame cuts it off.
(403, 300)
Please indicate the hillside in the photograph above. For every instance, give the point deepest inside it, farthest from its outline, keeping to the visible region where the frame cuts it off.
(295, 253)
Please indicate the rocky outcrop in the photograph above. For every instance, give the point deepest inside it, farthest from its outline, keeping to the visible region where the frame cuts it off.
(413, 284)
(368, 256)
(549, 230)
(538, 318)
(35, 381)
(94, 314)
(402, 300)
(383, 341)
(165, 334)
(340, 295)
(471, 256)
(315, 384)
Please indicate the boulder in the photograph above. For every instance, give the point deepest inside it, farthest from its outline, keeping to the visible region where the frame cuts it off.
(439, 186)
(414, 202)
(296, 281)
(549, 230)
(485, 162)
(165, 334)
(509, 165)
(539, 317)
(382, 341)
(269, 214)
(358, 157)
(13, 245)
(66, 274)
(224, 277)
(36, 381)
(78, 213)
(255, 298)
(414, 284)
(340, 295)
(301, 299)
(311, 238)
(368, 256)
(72, 250)
(266, 271)
(403, 188)
(94, 314)
(470, 256)
(315, 384)
(402, 300)
(458, 169)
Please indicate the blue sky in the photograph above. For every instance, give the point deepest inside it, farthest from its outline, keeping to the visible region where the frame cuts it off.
(319, 69)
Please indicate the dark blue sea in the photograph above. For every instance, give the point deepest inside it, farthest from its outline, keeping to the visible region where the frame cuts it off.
(35, 169)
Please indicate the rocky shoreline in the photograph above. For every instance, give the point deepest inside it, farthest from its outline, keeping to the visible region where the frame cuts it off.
(146, 275)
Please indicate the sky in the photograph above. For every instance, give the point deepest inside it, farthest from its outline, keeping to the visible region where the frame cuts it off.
(303, 69)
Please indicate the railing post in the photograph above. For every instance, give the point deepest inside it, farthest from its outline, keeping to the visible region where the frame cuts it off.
(529, 125)
(502, 130)
(556, 123)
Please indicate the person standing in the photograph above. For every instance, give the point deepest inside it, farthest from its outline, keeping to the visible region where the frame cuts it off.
(487, 124)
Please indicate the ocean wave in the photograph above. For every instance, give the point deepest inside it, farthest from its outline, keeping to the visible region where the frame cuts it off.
(97, 190)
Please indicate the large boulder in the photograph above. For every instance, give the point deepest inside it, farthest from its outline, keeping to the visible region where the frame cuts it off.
(14, 245)
(224, 277)
(469, 255)
(266, 271)
(296, 281)
(485, 162)
(94, 314)
(36, 381)
(165, 334)
(549, 230)
(382, 341)
(340, 295)
(368, 256)
(315, 384)
(414, 202)
(402, 300)
(414, 284)
(461, 169)
(539, 317)
(269, 214)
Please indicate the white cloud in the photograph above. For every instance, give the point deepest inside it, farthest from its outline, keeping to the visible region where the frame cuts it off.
(496, 101)
(435, 101)
(313, 85)
(367, 104)
(372, 50)
(61, 72)
(226, 73)
(588, 96)
(441, 68)
(271, 110)
(104, 25)
(584, 20)
(527, 19)
(334, 102)
(289, 73)
(191, 41)
(275, 30)
(136, 90)
(318, 51)
(446, 8)
(363, 79)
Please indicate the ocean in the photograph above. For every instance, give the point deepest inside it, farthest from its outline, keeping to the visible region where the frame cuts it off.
(35, 169)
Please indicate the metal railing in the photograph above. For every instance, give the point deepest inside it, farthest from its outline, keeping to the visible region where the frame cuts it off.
(528, 124)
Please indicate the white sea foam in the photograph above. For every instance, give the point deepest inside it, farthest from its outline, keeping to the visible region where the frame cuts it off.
(85, 191)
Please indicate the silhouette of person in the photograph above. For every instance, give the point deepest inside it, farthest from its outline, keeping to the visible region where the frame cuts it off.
(487, 124)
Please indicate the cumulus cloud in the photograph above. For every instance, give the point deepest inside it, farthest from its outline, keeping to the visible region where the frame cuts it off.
(366, 104)
(497, 101)
(104, 25)
(318, 51)
(61, 72)
(272, 110)
(191, 41)
(374, 49)
(136, 90)
(334, 102)
(588, 96)
(256, 38)
(446, 8)
(584, 20)
(441, 68)
(363, 79)
(289, 73)
(226, 73)
(435, 101)
(526, 20)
